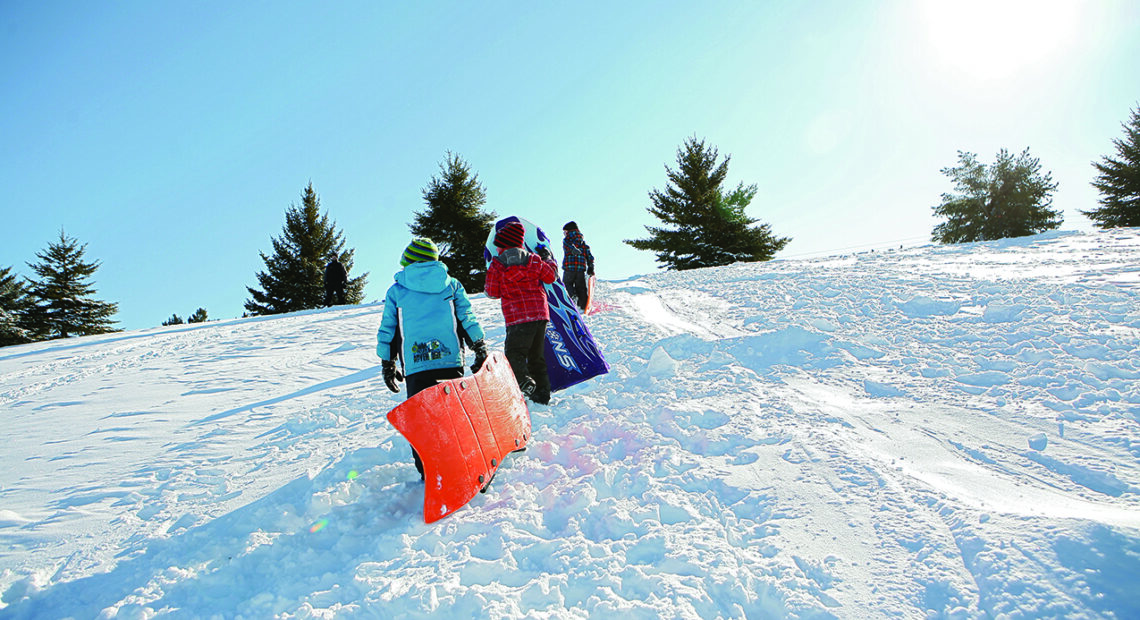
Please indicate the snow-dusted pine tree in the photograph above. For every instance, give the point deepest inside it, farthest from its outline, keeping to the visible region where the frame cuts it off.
(14, 306)
(707, 225)
(1010, 198)
(455, 221)
(294, 274)
(1119, 181)
(62, 294)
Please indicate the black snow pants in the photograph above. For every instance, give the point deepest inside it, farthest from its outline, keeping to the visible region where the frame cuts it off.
(575, 282)
(524, 348)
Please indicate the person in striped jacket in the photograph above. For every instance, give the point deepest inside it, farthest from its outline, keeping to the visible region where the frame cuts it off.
(516, 278)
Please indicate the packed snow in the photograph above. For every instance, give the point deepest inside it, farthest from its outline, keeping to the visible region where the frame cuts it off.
(934, 432)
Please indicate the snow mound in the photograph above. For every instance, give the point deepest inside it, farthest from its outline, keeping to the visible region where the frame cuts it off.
(935, 432)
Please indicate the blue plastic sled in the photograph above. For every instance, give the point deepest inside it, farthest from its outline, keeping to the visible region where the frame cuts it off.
(572, 354)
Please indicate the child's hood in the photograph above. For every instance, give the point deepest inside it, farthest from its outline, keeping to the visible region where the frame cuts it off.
(426, 277)
(516, 262)
(514, 256)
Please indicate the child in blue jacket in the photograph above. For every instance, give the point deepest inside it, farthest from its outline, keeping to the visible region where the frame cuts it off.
(427, 320)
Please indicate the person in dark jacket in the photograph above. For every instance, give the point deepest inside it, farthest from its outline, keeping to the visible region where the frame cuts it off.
(577, 263)
(516, 277)
(427, 319)
(336, 279)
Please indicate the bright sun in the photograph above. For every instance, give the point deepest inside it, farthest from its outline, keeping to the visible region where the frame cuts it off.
(993, 39)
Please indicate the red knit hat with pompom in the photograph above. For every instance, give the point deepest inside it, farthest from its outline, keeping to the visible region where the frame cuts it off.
(511, 235)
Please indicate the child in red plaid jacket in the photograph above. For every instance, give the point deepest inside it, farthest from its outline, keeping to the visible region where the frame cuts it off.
(516, 277)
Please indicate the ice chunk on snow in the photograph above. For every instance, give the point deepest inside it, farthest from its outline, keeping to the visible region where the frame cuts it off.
(881, 390)
(923, 306)
(999, 313)
(660, 364)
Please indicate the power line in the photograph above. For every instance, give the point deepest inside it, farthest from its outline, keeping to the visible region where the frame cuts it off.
(857, 247)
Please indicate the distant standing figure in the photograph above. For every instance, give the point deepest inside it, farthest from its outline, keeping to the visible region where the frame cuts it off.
(336, 279)
(577, 263)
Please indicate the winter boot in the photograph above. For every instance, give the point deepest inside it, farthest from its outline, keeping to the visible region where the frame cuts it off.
(528, 387)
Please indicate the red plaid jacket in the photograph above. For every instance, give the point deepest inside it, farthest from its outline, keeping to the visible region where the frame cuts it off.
(516, 277)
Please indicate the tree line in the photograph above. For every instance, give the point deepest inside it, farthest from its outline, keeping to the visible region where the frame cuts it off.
(703, 223)
(1012, 197)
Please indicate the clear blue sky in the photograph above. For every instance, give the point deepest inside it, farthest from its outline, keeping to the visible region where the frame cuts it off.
(172, 136)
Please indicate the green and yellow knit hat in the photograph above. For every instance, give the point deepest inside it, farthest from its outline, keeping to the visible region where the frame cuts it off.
(420, 250)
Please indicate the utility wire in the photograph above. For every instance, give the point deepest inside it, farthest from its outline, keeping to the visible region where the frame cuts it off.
(857, 247)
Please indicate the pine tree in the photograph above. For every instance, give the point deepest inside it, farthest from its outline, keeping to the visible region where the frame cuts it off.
(708, 227)
(199, 316)
(1119, 181)
(14, 306)
(62, 293)
(455, 221)
(294, 275)
(1010, 198)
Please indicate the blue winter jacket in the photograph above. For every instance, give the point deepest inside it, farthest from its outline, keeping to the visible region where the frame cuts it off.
(424, 313)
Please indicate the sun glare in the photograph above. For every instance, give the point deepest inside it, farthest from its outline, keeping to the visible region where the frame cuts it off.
(993, 39)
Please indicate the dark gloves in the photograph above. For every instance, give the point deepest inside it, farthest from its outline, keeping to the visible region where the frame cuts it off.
(544, 253)
(392, 376)
(590, 269)
(480, 350)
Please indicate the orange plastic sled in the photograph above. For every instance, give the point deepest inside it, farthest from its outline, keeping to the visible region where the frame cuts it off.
(589, 296)
(462, 429)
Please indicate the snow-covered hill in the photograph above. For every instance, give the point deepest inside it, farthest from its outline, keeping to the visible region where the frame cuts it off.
(931, 432)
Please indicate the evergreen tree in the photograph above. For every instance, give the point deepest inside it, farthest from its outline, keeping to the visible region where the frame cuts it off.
(708, 226)
(294, 274)
(14, 306)
(62, 294)
(199, 316)
(455, 221)
(1119, 181)
(1010, 198)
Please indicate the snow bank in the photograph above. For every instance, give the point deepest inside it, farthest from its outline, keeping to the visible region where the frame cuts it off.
(936, 432)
